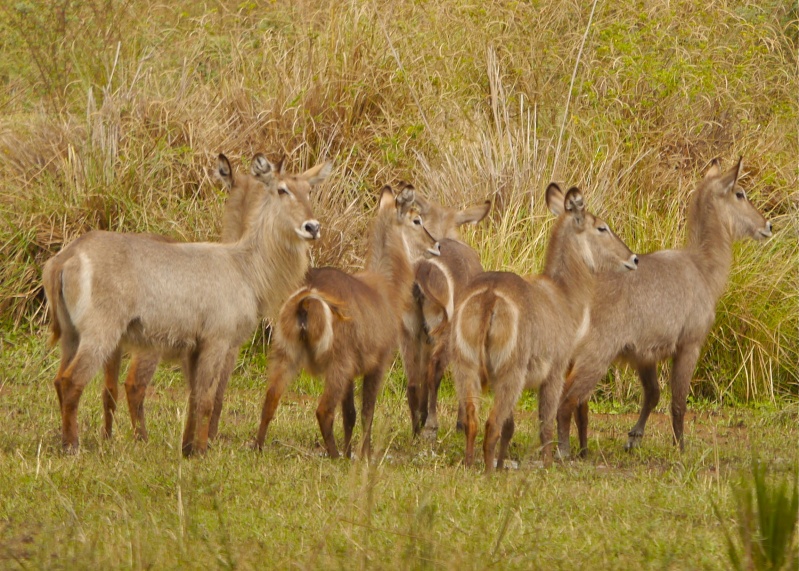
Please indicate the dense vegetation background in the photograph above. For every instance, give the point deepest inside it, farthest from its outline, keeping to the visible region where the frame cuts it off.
(111, 115)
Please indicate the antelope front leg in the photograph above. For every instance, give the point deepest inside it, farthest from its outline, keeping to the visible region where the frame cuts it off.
(581, 420)
(435, 371)
(548, 399)
(411, 349)
(230, 364)
(110, 391)
(140, 373)
(649, 382)
(568, 404)
(214, 367)
(281, 371)
(189, 365)
(372, 382)
(681, 371)
(504, 441)
(348, 416)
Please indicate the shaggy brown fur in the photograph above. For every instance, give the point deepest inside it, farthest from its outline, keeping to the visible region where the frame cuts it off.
(109, 292)
(665, 309)
(437, 287)
(512, 334)
(343, 326)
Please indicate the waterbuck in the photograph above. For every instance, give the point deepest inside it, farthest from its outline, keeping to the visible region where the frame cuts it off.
(243, 197)
(436, 291)
(512, 334)
(200, 301)
(665, 309)
(343, 326)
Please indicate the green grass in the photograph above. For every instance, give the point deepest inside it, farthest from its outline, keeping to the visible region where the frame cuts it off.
(122, 504)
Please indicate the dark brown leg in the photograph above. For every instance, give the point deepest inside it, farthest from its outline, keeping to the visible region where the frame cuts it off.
(140, 373)
(110, 391)
(348, 416)
(230, 364)
(281, 371)
(372, 383)
(682, 370)
(325, 414)
(504, 442)
(649, 381)
(581, 420)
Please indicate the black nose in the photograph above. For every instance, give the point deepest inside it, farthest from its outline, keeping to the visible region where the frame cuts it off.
(312, 228)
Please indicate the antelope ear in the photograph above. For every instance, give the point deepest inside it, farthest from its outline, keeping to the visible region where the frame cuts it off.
(575, 205)
(714, 170)
(317, 174)
(473, 214)
(261, 168)
(422, 204)
(386, 198)
(224, 172)
(729, 178)
(554, 197)
(404, 200)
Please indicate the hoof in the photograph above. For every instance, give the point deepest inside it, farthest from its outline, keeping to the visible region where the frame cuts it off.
(634, 441)
(506, 465)
(430, 433)
(70, 449)
(563, 454)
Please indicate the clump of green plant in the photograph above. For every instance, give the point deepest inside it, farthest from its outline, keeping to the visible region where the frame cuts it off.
(766, 512)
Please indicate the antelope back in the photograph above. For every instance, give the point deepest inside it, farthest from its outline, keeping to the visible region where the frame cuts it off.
(577, 230)
(720, 197)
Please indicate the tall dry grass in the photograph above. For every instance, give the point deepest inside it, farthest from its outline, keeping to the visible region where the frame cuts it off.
(110, 117)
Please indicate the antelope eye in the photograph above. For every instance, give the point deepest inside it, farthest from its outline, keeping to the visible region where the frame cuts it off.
(281, 190)
(740, 195)
(602, 228)
(417, 221)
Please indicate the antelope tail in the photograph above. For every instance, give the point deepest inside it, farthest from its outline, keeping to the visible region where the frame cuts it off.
(52, 289)
(307, 318)
(487, 331)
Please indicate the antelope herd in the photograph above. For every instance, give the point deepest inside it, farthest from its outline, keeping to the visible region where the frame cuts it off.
(423, 292)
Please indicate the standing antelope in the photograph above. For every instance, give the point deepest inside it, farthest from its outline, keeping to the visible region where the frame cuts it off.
(343, 326)
(437, 287)
(512, 334)
(666, 309)
(243, 198)
(109, 291)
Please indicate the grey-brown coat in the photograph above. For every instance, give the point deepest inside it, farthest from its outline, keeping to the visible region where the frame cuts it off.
(436, 290)
(111, 291)
(665, 309)
(343, 326)
(511, 334)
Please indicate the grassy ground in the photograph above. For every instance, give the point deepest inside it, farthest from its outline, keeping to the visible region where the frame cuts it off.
(129, 505)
